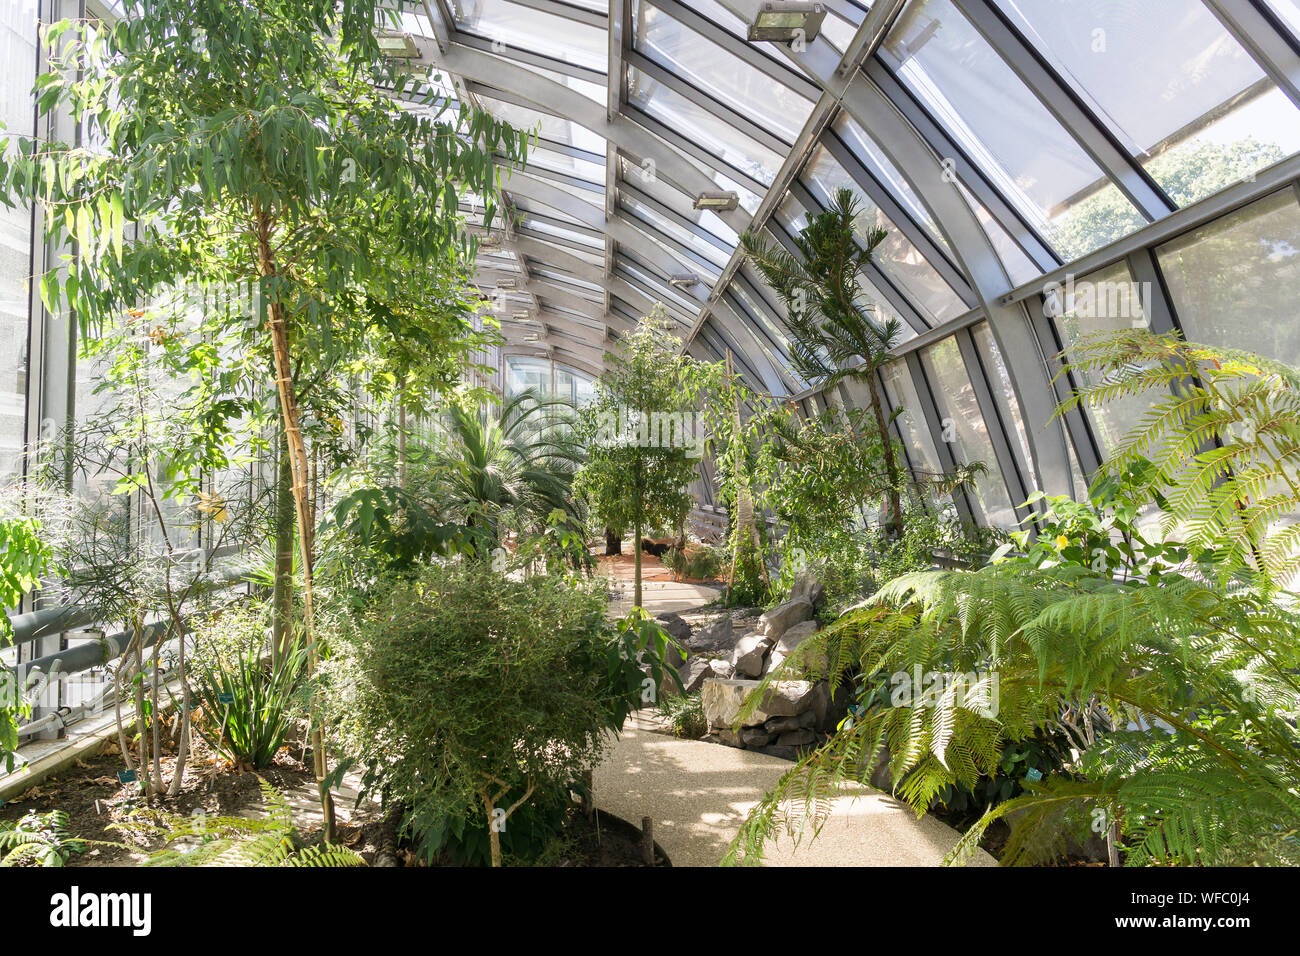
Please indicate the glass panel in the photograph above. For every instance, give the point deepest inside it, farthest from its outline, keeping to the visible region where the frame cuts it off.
(557, 162)
(18, 52)
(700, 126)
(1003, 393)
(525, 373)
(871, 156)
(1171, 83)
(720, 74)
(547, 229)
(678, 201)
(896, 256)
(1020, 268)
(1235, 282)
(902, 395)
(1003, 127)
(527, 29)
(965, 430)
(697, 244)
(1105, 301)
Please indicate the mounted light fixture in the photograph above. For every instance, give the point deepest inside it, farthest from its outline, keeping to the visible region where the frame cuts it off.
(521, 316)
(717, 201)
(506, 284)
(782, 22)
(398, 46)
(684, 280)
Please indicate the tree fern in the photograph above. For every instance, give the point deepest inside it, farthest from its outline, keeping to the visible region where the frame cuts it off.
(1169, 661)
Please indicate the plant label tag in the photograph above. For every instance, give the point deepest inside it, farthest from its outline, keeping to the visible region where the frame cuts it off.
(1033, 776)
(226, 698)
(126, 776)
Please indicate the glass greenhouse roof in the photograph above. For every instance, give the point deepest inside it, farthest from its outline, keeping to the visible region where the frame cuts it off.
(1004, 146)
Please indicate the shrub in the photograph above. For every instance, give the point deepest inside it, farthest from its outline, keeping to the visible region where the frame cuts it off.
(476, 695)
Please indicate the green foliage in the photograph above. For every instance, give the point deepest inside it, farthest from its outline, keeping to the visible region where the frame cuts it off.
(1188, 172)
(835, 332)
(39, 838)
(1174, 682)
(1223, 445)
(200, 840)
(470, 688)
(464, 840)
(508, 471)
(634, 479)
(249, 704)
(25, 557)
(685, 714)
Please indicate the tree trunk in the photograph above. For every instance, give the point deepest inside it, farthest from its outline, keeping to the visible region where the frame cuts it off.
(183, 745)
(401, 433)
(494, 836)
(282, 591)
(636, 589)
(613, 542)
(894, 526)
(299, 470)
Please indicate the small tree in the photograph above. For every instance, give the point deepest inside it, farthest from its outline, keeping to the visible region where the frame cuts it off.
(472, 687)
(640, 433)
(834, 332)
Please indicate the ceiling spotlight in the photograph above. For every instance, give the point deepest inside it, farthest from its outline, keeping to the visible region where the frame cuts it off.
(717, 201)
(783, 22)
(684, 280)
(398, 46)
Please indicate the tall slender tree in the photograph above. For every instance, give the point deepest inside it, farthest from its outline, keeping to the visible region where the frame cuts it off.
(260, 143)
(639, 460)
(835, 334)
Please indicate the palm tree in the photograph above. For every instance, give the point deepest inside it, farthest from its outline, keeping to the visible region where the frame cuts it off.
(835, 334)
(511, 469)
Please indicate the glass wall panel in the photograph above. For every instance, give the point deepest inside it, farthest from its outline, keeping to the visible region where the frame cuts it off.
(971, 91)
(18, 53)
(1172, 85)
(964, 428)
(1235, 282)
(1108, 300)
(1004, 394)
(527, 29)
(702, 127)
(901, 394)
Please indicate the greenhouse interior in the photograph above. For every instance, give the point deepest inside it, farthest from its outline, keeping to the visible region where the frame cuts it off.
(811, 434)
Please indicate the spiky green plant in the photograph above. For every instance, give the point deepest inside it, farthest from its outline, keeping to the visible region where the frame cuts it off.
(249, 704)
(233, 841)
(1186, 675)
(40, 838)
